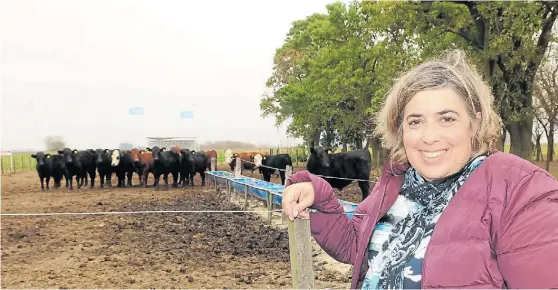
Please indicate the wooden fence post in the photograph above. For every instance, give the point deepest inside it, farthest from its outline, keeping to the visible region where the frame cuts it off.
(246, 197)
(300, 248)
(213, 163)
(238, 167)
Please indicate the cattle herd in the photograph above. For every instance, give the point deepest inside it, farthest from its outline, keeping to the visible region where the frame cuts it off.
(183, 164)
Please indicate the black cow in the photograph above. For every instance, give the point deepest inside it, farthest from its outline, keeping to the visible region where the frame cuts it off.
(165, 162)
(103, 162)
(44, 168)
(79, 163)
(200, 164)
(58, 170)
(122, 163)
(187, 167)
(353, 164)
(279, 161)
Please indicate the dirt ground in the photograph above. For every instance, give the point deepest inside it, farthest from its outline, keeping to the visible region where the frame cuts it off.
(188, 250)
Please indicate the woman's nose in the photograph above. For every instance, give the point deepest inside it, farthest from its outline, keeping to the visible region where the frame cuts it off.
(430, 134)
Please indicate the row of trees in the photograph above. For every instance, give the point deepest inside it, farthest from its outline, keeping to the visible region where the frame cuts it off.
(333, 71)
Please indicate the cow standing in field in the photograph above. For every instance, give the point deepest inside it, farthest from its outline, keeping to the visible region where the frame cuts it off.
(44, 168)
(247, 159)
(143, 162)
(138, 162)
(187, 167)
(165, 162)
(58, 170)
(279, 161)
(79, 163)
(200, 164)
(353, 165)
(103, 161)
(122, 164)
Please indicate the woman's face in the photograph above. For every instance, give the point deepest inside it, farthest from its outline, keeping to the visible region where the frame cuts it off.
(437, 133)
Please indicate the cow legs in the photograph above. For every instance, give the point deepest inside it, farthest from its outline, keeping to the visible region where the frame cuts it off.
(156, 183)
(282, 174)
(47, 182)
(202, 174)
(174, 179)
(85, 178)
(42, 183)
(129, 175)
(92, 176)
(101, 180)
(365, 188)
(166, 179)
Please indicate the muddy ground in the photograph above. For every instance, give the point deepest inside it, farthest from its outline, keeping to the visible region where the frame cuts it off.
(190, 250)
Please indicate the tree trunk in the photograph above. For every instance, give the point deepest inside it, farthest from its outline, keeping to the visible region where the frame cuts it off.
(344, 146)
(538, 147)
(520, 138)
(549, 150)
(379, 154)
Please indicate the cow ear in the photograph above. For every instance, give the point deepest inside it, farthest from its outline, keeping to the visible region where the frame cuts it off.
(107, 150)
(60, 152)
(48, 156)
(75, 151)
(164, 149)
(33, 156)
(251, 156)
(265, 157)
(148, 149)
(141, 152)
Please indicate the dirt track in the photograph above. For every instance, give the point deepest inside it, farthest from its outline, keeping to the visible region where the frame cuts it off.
(140, 251)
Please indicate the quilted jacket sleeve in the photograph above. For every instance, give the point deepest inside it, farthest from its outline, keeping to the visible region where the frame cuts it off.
(336, 234)
(527, 248)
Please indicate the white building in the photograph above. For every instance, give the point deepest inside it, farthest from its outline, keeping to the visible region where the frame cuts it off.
(168, 142)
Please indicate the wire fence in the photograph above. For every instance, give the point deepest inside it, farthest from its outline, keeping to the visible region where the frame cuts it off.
(18, 162)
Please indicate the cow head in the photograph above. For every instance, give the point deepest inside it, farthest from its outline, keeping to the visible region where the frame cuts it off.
(228, 156)
(187, 155)
(319, 161)
(115, 157)
(157, 152)
(41, 158)
(100, 155)
(135, 154)
(69, 155)
(258, 159)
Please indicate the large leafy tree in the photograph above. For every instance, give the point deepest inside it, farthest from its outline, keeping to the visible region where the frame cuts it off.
(508, 40)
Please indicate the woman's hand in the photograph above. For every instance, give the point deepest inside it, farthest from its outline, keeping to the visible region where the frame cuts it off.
(296, 198)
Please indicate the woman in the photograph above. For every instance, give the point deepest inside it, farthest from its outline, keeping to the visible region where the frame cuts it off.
(449, 209)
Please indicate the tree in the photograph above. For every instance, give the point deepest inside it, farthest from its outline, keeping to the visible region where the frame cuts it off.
(54, 143)
(508, 41)
(546, 101)
(333, 71)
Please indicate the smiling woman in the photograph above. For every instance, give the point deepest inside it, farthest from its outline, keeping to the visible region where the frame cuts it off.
(499, 225)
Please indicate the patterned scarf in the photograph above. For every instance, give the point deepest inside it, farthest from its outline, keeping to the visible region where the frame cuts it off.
(408, 234)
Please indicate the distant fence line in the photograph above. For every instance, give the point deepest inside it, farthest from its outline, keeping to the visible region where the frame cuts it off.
(22, 161)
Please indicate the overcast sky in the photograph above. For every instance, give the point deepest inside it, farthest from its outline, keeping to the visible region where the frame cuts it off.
(74, 68)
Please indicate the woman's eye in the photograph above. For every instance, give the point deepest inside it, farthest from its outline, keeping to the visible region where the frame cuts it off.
(414, 122)
(448, 120)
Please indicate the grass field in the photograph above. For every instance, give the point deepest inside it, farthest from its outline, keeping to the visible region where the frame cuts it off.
(24, 162)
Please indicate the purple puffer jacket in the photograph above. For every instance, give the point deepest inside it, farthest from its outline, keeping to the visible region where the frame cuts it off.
(500, 230)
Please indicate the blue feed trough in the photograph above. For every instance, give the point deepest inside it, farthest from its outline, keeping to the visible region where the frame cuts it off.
(260, 188)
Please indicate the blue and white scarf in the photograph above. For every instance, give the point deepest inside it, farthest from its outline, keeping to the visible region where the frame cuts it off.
(399, 241)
